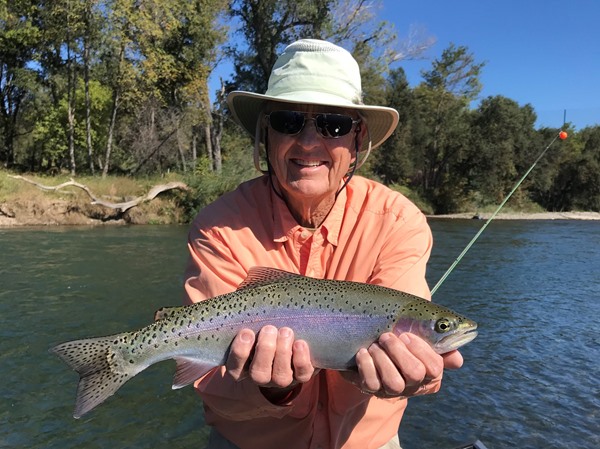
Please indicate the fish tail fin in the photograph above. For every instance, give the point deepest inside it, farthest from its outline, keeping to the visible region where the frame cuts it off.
(100, 367)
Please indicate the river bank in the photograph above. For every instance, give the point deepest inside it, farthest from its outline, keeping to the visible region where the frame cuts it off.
(48, 210)
(53, 211)
(92, 201)
(525, 216)
(89, 201)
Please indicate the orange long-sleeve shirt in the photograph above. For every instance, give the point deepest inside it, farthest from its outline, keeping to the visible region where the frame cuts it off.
(371, 235)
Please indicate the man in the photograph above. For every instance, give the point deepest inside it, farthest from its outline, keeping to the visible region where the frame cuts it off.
(310, 214)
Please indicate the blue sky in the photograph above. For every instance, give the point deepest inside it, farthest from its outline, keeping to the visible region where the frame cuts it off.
(542, 52)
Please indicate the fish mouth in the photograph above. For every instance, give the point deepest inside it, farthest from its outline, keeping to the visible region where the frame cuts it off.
(455, 340)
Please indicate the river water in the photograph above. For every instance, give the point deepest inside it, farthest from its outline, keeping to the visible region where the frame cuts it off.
(530, 379)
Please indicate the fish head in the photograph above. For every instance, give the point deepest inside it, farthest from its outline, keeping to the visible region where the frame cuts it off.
(442, 328)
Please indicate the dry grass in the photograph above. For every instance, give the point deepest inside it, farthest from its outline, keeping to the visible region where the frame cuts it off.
(24, 203)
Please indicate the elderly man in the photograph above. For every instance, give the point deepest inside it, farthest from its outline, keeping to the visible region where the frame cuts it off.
(310, 214)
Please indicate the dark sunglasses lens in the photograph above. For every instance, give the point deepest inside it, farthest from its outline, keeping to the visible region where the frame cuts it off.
(286, 122)
(334, 125)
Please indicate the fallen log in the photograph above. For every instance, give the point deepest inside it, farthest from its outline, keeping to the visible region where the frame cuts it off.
(121, 207)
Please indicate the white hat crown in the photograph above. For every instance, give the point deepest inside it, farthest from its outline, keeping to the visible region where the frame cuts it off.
(315, 68)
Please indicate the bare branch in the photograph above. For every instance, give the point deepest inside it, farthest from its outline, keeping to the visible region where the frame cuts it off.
(122, 207)
(415, 44)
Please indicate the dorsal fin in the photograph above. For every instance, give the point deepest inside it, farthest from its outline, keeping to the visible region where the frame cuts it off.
(260, 276)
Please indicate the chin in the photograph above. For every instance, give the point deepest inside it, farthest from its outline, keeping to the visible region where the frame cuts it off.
(309, 189)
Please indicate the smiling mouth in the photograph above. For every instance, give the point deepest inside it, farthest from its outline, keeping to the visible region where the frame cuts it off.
(304, 163)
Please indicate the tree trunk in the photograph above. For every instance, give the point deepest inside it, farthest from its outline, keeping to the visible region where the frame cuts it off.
(113, 115)
(208, 140)
(111, 130)
(86, 80)
(181, 152)
(194, 144)
(216, 131)
(70, 108)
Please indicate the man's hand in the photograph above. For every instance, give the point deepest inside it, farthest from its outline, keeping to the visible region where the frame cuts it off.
(277, 360)
(403, 365)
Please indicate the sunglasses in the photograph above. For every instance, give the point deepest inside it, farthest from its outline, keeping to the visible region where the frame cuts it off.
(330, 126)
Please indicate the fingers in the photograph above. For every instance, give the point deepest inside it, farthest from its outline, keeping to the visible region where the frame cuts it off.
(240, 353)
(303, 367)
(282, 374)
(368, 371)
(273, 358)
(453, 360)
(413, 356)
(401, 366)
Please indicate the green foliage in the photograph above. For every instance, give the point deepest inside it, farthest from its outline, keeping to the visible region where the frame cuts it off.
(571, 180)
(148, 69)
(206, 185)
(393, 160)
(501, 132)
(414, 196)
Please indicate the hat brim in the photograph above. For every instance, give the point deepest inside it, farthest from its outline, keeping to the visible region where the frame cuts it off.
(246, 106)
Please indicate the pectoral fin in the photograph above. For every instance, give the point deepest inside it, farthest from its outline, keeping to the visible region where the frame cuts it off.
(188, 371)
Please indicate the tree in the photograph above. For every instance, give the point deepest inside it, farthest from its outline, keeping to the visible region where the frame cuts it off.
(570, 180)
(440, 134)
(175, 49)
(19, 42)
(502, 134)
(265, 26)
(393, 161)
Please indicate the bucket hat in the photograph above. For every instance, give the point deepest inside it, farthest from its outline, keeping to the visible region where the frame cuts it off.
(312, 71)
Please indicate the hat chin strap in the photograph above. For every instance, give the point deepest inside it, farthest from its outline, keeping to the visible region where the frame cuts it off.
(369, 147)
(358, 163)
(258, 133)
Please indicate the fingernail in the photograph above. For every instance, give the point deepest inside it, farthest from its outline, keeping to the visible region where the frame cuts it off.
(269, 330)
(385, 337)
(405, 339)
(246, 337)
(285, 332)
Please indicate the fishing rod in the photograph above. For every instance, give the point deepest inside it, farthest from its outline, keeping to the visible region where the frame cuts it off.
(562, 135)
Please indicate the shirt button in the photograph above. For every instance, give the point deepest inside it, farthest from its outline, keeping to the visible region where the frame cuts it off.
(319, 406)
(305, 234)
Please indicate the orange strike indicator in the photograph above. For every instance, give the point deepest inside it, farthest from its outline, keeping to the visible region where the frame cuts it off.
(562, 135)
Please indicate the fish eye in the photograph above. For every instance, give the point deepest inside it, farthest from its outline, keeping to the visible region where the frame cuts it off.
(443, 325)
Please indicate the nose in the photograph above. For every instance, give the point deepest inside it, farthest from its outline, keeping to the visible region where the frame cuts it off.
(309, 132)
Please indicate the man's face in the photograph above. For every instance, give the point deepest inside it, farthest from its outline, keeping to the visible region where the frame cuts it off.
(307, 165)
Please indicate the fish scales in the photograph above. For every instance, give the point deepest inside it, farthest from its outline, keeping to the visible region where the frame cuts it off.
(336, 318)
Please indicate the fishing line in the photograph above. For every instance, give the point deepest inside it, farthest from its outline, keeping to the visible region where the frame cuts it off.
(562, 135)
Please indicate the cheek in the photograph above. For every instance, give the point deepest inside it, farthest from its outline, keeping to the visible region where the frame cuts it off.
(276, 150)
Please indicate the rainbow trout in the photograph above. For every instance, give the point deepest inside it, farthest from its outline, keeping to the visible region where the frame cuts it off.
(336, 318)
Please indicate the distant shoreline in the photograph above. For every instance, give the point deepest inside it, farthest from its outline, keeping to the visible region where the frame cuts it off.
(63, 213)
(523, 216)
